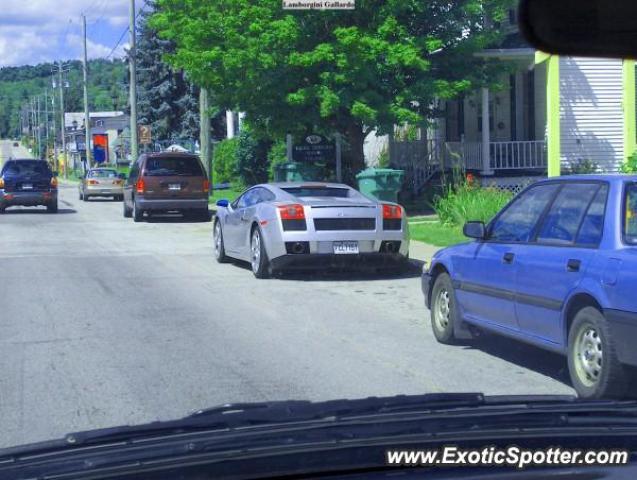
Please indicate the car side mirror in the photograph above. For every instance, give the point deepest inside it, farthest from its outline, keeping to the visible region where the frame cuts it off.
(475, 230)
(223, 203)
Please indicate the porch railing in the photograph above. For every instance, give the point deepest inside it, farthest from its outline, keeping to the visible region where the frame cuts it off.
(520, 155)
(422, 159)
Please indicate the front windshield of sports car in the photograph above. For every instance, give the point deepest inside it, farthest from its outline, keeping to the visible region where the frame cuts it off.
(207, 203)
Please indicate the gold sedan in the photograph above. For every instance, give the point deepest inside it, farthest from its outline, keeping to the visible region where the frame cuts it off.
(102, 182)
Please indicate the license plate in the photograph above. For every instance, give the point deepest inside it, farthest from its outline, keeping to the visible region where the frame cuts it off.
(345, 248)
(174, 186)
(27, 186)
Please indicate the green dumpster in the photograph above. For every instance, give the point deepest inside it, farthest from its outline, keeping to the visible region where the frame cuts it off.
(296, 172)
(381, 183)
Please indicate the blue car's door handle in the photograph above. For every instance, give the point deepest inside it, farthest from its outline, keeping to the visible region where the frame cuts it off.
(573, 265)
(508, 257)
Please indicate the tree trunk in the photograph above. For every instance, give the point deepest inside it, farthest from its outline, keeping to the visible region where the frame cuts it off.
(353, 153)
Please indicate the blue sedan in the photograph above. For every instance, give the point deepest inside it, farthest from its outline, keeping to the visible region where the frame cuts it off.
(556, 268)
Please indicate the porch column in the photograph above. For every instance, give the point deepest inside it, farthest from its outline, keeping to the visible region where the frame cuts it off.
(486, 139)
(630, 115)
(553, 129)
(230, 124)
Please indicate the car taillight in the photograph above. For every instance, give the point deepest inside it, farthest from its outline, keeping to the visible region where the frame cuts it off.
(292, 212)
(54, 182)
(206, 185)
(392, 212)
(139, 186)
(93, 182)
(1, 182)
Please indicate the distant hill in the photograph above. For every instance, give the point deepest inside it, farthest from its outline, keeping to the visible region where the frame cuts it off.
(107, 89)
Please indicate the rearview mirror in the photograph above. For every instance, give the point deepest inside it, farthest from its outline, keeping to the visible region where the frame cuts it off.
(223, 203)
(598, 28)
(475, 230)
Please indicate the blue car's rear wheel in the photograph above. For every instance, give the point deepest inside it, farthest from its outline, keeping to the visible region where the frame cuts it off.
(593, 365)
(443, 309)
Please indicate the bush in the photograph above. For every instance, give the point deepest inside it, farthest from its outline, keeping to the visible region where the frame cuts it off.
(224, 161)
(252, 159)
(465, 202)
(383, 158)
(631, 165)
(582, 167)
(276, 156)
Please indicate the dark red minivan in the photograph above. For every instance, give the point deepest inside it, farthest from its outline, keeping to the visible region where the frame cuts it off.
(165, 182)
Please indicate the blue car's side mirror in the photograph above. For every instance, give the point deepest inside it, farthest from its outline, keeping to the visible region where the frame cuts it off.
(223, 203)
(475, 230)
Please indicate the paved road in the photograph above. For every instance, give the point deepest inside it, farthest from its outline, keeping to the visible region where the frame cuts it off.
(107, 322)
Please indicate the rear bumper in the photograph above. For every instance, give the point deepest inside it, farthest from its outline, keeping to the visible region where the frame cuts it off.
(324, 261)
(171, 204)
(27, 199)
(623, 327)
(106, 191)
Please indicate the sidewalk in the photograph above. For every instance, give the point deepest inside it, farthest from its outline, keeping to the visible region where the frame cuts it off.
(421, 251)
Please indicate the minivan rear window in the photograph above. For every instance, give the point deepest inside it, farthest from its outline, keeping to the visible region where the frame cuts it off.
(169, 166)
(26, 167)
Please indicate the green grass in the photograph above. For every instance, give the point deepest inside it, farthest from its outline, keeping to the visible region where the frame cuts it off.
(228, 194)
(434, 233)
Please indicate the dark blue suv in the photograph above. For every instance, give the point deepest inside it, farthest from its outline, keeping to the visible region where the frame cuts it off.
(28, 183)
(556, 268)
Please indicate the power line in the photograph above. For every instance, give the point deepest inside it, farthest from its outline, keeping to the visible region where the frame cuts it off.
(126, 30)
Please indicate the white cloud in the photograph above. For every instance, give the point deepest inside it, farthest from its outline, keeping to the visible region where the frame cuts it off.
(33, 31)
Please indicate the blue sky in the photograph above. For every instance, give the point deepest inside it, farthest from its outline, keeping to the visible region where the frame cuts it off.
(35, 31)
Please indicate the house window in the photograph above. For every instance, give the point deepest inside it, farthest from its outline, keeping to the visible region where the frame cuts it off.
(529, 104)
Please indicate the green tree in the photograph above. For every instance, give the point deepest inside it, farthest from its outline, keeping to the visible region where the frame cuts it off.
(379, 65)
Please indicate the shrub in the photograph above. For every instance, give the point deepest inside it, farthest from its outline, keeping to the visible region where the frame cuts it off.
(383, 158)
(582, 167)
(252, 158)
(630, 166)
(465, 202)
(225, 161)
(276, 156)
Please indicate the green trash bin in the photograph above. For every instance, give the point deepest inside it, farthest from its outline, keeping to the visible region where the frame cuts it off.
(296, 172)
(381, 183)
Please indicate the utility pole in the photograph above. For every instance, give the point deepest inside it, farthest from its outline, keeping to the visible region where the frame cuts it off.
(87, 116)
(37, 125)
(132, 64)
(204, 131)
(62, 132)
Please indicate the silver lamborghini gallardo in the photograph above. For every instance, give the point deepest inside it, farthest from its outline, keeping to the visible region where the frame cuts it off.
(279, 226)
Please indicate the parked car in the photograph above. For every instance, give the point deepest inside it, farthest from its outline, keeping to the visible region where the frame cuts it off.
(556, 268)
(167, 181)
(101, 182)
(28, 183)
(284, 225)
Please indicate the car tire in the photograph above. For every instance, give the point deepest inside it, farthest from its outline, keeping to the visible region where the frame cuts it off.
(128, 213)
(85, 197)
(138, 214)
(52, 207)
(443, 309)
(218, 243)
(593, 365)
(258, 256)
(203, 214)
(81, 196)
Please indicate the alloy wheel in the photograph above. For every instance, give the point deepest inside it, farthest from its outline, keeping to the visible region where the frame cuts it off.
(255, 247)
(442, 310)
